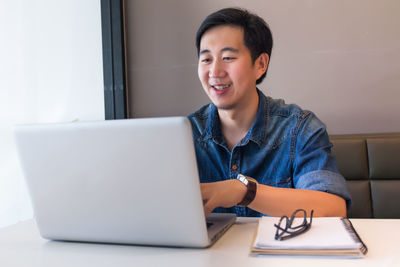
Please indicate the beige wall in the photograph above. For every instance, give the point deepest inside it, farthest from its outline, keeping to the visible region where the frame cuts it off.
(340, 59)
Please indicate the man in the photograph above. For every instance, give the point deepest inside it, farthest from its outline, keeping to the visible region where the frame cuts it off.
(257, 155)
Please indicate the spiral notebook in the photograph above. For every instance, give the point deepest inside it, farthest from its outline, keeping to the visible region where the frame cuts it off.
(328, 236)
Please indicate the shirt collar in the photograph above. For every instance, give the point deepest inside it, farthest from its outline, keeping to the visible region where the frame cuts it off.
(213, 128)
(257, 132)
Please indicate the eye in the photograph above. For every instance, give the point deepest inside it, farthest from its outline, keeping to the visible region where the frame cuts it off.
(228, 58)
(205, 60)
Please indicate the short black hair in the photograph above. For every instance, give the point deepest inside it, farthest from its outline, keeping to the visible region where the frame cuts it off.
(256, 33)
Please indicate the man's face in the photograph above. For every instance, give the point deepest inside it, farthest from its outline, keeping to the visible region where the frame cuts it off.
(225, 68)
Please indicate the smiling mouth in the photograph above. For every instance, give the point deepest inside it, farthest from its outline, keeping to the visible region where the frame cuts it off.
(220, 87)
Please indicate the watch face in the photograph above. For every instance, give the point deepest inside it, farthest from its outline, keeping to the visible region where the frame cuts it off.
(243, 179)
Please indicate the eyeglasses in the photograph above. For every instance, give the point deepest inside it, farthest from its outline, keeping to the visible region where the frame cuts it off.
(288, 228)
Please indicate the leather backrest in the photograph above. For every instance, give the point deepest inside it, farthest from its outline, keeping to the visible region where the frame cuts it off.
(384, 158)
(351, 158)
(371, 165)
(384, 172)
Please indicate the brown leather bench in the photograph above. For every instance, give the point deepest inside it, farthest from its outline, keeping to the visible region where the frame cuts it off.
(371, 165)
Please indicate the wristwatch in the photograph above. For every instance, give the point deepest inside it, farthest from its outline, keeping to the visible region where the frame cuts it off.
(251, 185)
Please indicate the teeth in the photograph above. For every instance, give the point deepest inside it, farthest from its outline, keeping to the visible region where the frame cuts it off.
(221, 87)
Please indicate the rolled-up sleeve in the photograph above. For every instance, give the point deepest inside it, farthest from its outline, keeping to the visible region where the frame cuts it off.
(314, 165)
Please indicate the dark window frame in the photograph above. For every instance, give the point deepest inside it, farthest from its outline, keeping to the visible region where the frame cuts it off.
(114, 68)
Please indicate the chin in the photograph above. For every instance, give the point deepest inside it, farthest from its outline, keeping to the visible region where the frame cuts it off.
(225, 106)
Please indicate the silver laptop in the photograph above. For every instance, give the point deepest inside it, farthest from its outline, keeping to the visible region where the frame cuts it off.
(129, 181)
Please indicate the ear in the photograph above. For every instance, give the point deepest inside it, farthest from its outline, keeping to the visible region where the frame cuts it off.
(261, 64)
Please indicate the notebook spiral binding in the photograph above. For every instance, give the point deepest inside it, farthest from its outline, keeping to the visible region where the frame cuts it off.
(350, 228)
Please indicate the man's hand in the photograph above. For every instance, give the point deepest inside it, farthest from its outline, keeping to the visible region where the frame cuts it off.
(222, 194)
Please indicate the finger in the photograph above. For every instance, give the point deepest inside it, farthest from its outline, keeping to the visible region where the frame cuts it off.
(209, 206)
(205, 200)
(207, 210)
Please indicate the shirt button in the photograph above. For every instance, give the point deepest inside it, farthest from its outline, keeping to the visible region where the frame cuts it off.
(234, 167)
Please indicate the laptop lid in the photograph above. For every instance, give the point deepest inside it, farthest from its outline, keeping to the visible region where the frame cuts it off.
(129, 181)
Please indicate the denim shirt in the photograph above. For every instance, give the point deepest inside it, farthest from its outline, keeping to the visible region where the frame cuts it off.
(285, 147)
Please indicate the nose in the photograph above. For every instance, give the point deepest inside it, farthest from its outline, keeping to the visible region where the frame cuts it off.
(216, 69)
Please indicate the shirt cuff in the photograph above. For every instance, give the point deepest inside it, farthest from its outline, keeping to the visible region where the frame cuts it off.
(325, 181)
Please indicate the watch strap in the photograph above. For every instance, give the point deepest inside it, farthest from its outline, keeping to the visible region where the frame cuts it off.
(251, 192)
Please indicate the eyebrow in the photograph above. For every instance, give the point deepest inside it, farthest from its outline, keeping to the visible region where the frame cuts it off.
(228, 48)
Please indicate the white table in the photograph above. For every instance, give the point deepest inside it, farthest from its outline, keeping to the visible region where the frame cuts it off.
(21, 245)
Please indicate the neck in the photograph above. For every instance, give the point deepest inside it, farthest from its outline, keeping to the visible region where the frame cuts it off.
(236, 122)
